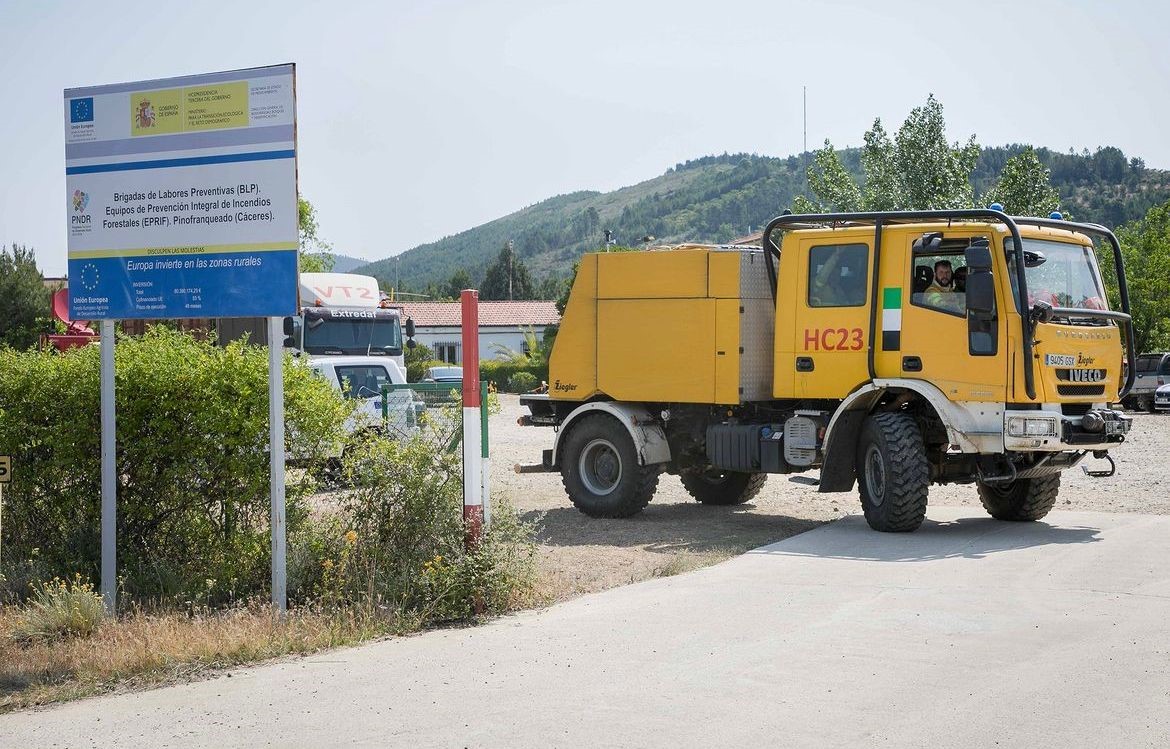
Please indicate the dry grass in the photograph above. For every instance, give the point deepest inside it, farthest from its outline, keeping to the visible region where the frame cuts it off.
(144, 649)
(685, 561)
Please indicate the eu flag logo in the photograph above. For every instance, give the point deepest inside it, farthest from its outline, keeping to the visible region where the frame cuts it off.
(81, 110)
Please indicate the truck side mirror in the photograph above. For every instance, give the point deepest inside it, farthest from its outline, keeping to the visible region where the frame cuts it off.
(409, 328)
(288, 327)
(980, 279)
(982, 331)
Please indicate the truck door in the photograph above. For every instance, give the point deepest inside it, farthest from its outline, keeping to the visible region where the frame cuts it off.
(927, 333)
(832, 315)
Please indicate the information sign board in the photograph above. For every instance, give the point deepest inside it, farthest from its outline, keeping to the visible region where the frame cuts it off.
(181, 197)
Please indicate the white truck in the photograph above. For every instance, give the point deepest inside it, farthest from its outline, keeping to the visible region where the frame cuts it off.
(343, 314)
(361, 379)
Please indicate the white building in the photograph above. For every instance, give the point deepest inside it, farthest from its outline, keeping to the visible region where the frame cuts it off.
(438, 326)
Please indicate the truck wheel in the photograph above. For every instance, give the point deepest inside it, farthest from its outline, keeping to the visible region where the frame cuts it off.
(714, 487)
(893, 473)
(1022, 499)
(600, 470)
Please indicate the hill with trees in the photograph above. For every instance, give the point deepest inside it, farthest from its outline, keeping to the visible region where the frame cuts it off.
(719, 198)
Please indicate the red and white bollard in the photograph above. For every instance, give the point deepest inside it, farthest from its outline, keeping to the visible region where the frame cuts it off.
(472, 402)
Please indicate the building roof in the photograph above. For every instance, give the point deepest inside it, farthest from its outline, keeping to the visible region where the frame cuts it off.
(751, 239)
(449, 314)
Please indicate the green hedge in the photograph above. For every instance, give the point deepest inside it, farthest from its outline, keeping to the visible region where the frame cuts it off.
(192, 461)
(499, 372)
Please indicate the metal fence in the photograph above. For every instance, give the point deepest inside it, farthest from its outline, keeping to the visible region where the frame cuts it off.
(404, 410)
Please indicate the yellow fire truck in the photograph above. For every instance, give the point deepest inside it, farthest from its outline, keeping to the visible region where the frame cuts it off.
(891, 350)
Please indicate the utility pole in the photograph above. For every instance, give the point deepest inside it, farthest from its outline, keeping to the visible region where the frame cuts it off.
(804, 96)
(510, 245)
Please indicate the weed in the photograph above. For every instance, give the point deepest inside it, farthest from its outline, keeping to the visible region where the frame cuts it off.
(60, 609)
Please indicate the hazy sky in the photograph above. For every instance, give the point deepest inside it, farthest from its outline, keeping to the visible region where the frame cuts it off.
(421, 119)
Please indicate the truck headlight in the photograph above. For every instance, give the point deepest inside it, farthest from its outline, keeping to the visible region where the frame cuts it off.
(1029, 426)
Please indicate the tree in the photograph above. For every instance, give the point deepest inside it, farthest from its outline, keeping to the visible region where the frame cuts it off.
(24, 300)
(916, 170)
(1145, 246)
(459, 281)
(506, 278)
(550, 288)
(315, 253)
(1024, 188)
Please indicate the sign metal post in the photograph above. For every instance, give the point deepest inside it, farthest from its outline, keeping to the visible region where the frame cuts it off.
(109, 581)
(5, 477)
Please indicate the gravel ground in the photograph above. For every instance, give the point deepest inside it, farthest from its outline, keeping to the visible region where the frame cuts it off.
(674, 534)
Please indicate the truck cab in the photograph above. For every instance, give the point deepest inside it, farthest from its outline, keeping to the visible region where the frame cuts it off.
(948, 320)
(342, 314)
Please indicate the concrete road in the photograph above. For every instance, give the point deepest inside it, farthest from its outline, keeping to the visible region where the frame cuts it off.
(967, 633)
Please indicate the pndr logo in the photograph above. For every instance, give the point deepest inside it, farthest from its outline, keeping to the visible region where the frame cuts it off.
(79, 222)
(81, 110)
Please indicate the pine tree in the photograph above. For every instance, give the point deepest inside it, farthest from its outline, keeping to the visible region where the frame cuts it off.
(24, 300)
(507, 278)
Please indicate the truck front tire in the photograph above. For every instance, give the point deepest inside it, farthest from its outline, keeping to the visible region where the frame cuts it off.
(714, 487)
(893, 474)
(600, 470)
(1022, 499)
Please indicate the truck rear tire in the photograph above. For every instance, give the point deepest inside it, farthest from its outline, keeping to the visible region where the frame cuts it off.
(600, 470)
(1022, 499)
(893, 475)
(714, 487)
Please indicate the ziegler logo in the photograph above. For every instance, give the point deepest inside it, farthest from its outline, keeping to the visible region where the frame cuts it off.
(568, 387)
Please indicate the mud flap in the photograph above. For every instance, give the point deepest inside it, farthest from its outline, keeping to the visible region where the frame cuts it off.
(839, 471)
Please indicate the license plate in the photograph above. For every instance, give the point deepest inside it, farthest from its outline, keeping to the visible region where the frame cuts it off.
(1059, 360)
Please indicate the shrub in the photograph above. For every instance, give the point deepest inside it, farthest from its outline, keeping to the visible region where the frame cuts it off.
(192, 458)
(499, 372)
(397, 543)
(522, 382)
(60, 609)
(417, 359)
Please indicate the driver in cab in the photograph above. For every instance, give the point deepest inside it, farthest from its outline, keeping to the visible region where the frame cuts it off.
(942, 291)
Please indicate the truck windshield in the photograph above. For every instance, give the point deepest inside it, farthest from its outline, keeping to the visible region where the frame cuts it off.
(379, 336)
(1060, 273)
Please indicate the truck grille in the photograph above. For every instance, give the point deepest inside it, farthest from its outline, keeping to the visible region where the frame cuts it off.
(1080, 389)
